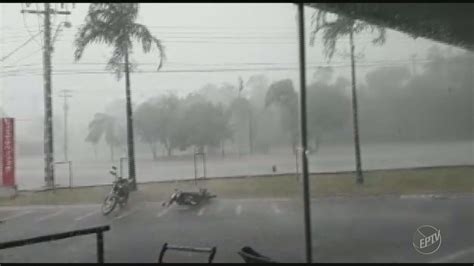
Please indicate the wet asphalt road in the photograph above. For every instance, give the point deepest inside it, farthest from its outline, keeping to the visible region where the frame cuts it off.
(344, 230)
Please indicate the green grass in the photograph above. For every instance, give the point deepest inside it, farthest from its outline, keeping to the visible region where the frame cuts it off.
(380, 182)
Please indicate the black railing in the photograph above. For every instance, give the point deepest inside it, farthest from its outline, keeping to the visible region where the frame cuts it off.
(99, 231)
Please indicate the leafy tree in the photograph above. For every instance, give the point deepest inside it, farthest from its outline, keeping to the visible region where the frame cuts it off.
(223, 93)
(283, 94)
(264, 120)
(257, 86)
(242, 121)
(105, 125)
(327, 109)
(147, 125)
(205, 124)
(114, 24)
(334, 30)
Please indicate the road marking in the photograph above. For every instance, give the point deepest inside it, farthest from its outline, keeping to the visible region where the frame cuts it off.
(275, 208)
(87, 215)
(201, 211)
(265, 200)
(46, 217)
(163, 212)
(418, 196)
(238, 210)
(454, 256)
(16, 215)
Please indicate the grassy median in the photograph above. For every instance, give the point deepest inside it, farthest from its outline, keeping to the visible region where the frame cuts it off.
(436, 180)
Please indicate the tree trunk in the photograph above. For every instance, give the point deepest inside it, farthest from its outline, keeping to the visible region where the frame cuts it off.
(112, 153)
(153, 151)
(95, 150)
(250, 132)
(130, 140)
(222, 148)
(317, 140)
(360, 177)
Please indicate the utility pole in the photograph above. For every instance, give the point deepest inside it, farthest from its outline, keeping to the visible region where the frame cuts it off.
(65, 94)
(48, 108)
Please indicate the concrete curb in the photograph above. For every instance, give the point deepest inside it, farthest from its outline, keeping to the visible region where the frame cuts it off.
(436, 196)
(7, 192)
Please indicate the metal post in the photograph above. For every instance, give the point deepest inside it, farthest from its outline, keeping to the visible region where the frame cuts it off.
(70, 174)
(65, 94)
(304, 159)
(195, 169)
(53, 180)
(297, 166)
(204, 164)
(100, 247)
(360, 177)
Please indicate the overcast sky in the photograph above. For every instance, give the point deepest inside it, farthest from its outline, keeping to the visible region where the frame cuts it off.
(197, 37)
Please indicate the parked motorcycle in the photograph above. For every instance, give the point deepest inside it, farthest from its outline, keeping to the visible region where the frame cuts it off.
(118, 194)
(188, 198)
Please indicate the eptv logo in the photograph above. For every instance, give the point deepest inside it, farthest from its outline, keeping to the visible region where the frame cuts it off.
(427, 239)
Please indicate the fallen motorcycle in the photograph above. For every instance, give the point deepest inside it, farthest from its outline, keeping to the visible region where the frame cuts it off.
(189, 198)
(118, 194)
(251, 256)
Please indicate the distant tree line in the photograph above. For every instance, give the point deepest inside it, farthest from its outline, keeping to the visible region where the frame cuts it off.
(433, 104)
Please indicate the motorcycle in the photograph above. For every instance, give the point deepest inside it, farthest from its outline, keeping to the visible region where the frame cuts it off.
(188, 198)
(118, 194)
(251, 256)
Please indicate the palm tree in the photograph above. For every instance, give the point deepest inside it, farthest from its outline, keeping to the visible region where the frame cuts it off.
(343, 26)
(104, 125)
(114, 24)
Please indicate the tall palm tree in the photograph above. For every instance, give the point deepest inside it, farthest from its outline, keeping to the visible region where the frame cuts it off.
(334, 30)
(114, 24)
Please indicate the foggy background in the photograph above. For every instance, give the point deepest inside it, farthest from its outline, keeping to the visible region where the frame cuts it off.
(415, 95)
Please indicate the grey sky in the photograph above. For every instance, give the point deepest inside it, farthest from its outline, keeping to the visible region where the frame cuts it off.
(196, 36)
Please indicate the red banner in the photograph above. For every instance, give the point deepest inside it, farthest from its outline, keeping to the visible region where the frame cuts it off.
(8, 152)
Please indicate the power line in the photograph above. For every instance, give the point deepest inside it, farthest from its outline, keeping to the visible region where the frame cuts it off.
(21, 46)
(225, 63)
(25, 57)
(26, 26)
(92, 72)
(227, 34)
